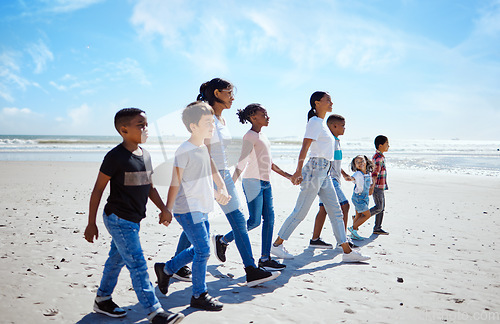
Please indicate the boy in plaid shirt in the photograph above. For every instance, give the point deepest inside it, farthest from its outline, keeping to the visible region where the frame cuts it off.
(379, 183)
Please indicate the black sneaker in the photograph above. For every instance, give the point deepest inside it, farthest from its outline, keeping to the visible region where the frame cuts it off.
(380, 232)
(319, 244)
(167, 317)
(257, 276)
(184, 274)
(271, 265)
(163, 278)
(108, 307)
(219, 248)
(206, 302)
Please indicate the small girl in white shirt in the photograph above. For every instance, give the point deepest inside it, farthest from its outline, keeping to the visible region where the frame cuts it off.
(362, 168)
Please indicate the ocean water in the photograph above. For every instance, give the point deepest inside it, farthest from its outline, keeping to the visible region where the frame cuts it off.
(453, 156)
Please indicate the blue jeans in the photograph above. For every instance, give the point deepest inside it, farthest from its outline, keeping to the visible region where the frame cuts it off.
(183, 243)
(340, 194)
(199, 235)
(126, 251)
(237, 221)
(260, 203)
(316, 182)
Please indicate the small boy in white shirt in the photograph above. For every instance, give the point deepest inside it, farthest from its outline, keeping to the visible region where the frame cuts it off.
(190, 199)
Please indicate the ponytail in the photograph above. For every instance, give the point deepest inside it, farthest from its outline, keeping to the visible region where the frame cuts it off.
(208, 88)
(315, 97)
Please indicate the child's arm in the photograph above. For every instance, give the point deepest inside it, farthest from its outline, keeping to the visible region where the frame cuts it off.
(91, 230)
(173, 190)
(276, 169)
(246, 149)
(297, 176)
(346, 176)
(156, 199)
(376, 170)
(221, 195)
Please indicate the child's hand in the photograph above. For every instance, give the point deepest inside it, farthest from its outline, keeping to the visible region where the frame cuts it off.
(349, 178)
(297, 177)
(222, 196)
(371, 190)
(91, 231)
(165, 217)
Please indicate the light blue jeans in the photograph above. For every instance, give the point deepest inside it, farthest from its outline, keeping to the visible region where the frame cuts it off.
(126, 251)
(316, 182)
(260, 204)
(237, 221)
(199, 235)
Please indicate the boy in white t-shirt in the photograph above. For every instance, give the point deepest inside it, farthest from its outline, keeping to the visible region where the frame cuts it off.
(190, 199)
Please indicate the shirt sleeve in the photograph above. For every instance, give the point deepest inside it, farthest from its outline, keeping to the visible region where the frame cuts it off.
(246, 150)
(108, 166)
(377, 166)
(181, 158)
(313, 128)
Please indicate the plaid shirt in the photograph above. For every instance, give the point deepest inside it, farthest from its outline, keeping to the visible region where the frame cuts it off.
(379, 171)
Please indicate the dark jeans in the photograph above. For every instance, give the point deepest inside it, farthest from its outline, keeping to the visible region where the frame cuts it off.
(378, 209)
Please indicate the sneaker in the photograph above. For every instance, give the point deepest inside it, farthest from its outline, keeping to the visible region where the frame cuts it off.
(167, 317)
(163, 278)
(256, 276)
(351, 245)
(108, 307)
(206, 302)
(184, 274)
(319, 244)
(380, 232)
(354, 256)
(271, 265)
(280, 252)
(354, 234)
(219, 248)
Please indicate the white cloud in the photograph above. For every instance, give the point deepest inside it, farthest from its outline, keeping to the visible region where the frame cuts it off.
(40, 54)
(64, 6)
(10, 76)
(80, 116)
(128, 68)
(13, 111)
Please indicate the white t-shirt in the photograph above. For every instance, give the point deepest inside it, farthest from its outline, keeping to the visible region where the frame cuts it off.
(322, 145)
(218, 144)
(196, 191)
(256, 164)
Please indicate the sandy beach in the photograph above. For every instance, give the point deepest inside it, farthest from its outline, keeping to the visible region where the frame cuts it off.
(439, 263)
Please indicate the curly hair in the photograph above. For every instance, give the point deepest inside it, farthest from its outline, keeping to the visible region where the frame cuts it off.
(250, 110)
(369, 163)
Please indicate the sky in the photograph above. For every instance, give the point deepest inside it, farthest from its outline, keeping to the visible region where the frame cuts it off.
(408, 69)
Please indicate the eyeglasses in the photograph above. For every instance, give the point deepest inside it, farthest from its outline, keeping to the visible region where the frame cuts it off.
(230, 92)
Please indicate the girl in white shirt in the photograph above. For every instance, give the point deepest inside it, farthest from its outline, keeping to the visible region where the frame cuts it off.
(362, 168)
(314, 180)
(256, 164)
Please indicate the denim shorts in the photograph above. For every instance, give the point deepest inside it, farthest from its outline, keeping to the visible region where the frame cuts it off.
(360, 202)
(340, 194)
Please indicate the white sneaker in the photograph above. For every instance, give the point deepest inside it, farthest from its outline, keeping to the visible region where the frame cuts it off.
(280, 252)
(354, 256)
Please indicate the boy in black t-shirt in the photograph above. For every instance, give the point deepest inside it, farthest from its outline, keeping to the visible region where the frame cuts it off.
(128, 167)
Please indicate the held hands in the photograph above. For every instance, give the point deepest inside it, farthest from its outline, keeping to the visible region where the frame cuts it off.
(297, 177)
(165, 217)
(91, 231)
(349, 178)
(371, 190)
(222, 196)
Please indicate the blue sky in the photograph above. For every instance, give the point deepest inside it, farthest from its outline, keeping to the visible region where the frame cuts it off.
(408, 69)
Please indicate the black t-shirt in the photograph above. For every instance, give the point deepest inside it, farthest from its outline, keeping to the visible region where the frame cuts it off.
(130, 183)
